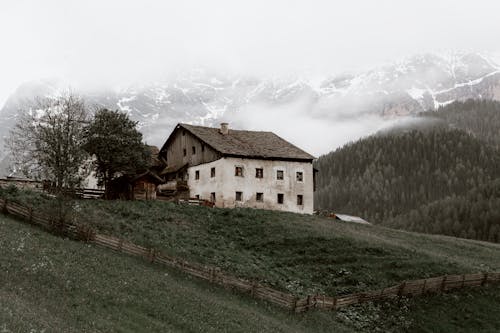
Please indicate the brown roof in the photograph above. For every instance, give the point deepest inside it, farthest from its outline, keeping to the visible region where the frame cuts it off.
(250, 144)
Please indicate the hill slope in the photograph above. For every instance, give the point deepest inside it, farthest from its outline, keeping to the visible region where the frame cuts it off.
(48, 283)
(56, 284)
(295, 253)
(475, 215)
(481, 118)
(382, 176)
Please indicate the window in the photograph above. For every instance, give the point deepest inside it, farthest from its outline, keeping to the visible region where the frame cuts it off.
(239, 196)
(259, 197)
(280, 198)
(197, 196)
(194, 150)
(300, 176)
(212, 196)
(197, 174)
(202, 148)
(183, 133)
(279, 174)
(184, 151)
(300, 200)
(259, 173)
(238, 171)
(212, 172)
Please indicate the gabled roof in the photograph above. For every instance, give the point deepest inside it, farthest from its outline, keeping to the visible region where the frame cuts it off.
(250, 144)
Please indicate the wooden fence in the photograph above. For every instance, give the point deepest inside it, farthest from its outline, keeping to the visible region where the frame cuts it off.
(255, 289)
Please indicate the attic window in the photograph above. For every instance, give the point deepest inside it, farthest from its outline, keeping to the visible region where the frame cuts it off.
(279, 175)
(300, 176)
(183, 132)
(194, 150)
(184, 151)
(280, 198)
(238, 171)
(259, 173)
(202, 148)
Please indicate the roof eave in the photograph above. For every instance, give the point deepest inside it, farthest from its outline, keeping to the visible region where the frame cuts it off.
(272, 158)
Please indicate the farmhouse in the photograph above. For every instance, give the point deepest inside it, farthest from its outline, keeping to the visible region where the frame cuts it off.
(235, 168)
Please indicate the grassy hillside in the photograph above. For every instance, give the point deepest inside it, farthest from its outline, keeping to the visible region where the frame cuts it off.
(299, 254)
(48, 283)
(57, 285)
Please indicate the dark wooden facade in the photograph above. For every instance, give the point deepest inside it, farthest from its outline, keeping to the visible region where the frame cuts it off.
(183, 149)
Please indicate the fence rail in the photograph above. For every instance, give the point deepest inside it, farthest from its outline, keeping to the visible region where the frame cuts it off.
(215, 275)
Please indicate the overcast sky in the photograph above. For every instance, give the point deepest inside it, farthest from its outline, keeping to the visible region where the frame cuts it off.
(108, 42)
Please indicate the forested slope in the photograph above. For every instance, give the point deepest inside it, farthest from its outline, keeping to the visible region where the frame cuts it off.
(475, 215)
(480, 118)
(382, 176)
(438, 177)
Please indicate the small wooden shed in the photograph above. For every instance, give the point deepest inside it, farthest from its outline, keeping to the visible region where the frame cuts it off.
(144, 185)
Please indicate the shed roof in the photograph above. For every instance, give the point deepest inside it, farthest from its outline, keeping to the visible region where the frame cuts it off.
(250, 144)
(350, 218)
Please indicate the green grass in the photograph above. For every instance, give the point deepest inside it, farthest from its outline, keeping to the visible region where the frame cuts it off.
(58, 285)
(51, 284)
(295, 253)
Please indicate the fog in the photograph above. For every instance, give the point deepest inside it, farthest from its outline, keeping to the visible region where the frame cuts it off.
(95, 43)
(315, 135)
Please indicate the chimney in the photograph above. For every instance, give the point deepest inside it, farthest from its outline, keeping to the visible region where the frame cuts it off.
(224, 128)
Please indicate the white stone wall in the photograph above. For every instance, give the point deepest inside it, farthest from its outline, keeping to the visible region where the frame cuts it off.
(225, 184)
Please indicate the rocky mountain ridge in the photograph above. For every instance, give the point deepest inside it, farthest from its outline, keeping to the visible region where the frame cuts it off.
(416, 84)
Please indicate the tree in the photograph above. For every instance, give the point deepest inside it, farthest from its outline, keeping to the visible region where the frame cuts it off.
(116, 144)
(46, 143)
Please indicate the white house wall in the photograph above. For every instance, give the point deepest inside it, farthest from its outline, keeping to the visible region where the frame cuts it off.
(225, 184)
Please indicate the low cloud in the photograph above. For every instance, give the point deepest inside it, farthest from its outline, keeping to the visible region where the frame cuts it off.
(296, 123)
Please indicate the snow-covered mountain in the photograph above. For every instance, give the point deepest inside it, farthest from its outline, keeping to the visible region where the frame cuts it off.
(409, 86)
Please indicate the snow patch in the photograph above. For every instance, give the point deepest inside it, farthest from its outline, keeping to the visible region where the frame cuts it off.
(416, 93)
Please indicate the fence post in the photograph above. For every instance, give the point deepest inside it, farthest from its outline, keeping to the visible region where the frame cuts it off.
(485, 279)
(423, 287)
(334, 305)
(294, 304)
(463, 281)
(151, 255)
(443, 284)
(401, 288)
(254, 286)
(212, 274)
(4, 210)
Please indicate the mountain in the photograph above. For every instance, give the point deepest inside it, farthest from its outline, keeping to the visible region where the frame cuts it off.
(439, 174)
(407, 87)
